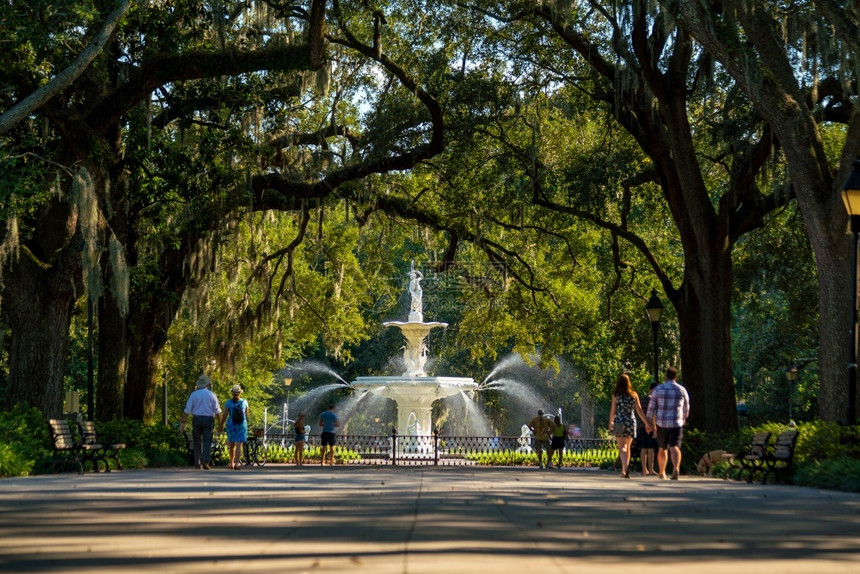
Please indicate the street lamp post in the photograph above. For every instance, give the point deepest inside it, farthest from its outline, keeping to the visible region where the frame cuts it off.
(287, 383)
(164, 399)
(654, 308)
(851, 197)
(90, 387)
(791, 377)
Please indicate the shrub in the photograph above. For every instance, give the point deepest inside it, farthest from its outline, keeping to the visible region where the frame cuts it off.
(25, 442)
(586, 458)
(12, 462)
(837, 474)
(133, 458)
(160, 445)
(819, 440)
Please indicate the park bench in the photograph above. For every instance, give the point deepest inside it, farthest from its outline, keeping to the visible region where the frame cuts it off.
(70, 449)
(108, 450)
(779, 458)
(215, 453)
(751, 457)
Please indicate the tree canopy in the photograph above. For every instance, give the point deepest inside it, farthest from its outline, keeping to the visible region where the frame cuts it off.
(238, 186)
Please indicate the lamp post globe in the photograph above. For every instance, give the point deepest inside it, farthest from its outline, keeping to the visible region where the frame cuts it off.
(287, 382)
(654, 309)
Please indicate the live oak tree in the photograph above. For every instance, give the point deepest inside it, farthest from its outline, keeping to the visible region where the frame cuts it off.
(81, 152)
(797, 63)
(645, 71)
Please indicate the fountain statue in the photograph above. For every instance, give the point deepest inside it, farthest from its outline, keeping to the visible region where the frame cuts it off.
(414, 392)
(416, 311)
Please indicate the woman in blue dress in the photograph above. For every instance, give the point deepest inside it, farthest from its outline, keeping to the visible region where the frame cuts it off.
(235, 414)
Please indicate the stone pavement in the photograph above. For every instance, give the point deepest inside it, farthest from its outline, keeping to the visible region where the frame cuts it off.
(420, 520)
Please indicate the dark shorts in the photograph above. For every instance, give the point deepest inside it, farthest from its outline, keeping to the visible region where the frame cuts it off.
(557, 443)
(646, 441)
(669, 436)
(327, 439)
(301, 438)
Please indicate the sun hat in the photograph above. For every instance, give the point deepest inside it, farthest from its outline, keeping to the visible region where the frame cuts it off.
(236, 390)
(203, 382)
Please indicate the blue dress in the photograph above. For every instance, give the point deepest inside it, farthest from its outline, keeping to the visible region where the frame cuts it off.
(236, 432)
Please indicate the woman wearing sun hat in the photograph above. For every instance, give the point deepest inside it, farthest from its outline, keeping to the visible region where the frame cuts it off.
(235, 414)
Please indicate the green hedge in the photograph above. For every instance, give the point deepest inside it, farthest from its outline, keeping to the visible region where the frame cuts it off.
(837, 474)
(587, 458)
(146, 445)
(25, 442)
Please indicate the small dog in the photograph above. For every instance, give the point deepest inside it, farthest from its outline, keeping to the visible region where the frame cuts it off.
(709, 459)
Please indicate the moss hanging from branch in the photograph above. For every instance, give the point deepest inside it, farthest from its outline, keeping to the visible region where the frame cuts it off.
(85, 201)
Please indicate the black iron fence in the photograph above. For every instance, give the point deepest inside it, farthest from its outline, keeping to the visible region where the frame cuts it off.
(439, 450)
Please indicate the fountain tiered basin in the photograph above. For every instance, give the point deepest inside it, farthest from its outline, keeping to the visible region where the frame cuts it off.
(414, 392)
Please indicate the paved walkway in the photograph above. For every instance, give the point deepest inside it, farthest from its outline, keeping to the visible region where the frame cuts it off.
(420, 520)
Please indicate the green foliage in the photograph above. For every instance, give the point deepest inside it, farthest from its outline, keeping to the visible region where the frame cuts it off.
(824, 440)
(25, 442)
(774, 325)
(587, 458)
(276, 454)
(835, 474)
(136, 458)
(146, 445)
(12, 461)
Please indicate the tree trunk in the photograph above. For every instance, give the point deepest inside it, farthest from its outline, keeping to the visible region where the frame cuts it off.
(704, 316)
(38, 300)
(113, 359)
(833, 260)
(146, 341)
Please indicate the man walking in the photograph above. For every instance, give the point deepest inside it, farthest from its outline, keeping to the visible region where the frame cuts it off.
(542, 428)
(329, 424)
(670, 404)
(203, 407)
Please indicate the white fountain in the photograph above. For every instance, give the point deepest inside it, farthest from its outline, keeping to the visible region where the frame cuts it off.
(414, 392)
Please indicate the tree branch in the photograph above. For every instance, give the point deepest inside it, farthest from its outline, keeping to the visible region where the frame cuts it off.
(65, 78)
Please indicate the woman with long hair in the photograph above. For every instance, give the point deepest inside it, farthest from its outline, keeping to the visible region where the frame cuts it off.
(622, 421)
(301, 438)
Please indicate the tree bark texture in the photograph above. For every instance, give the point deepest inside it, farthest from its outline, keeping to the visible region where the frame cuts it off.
(147, 336)
(703, 305)
(113, 359)
(38, 298)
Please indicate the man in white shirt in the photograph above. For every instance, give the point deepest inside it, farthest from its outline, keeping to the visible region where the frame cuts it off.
(203, 407)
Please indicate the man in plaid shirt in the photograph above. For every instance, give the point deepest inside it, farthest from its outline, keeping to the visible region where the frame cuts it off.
(670, 404)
